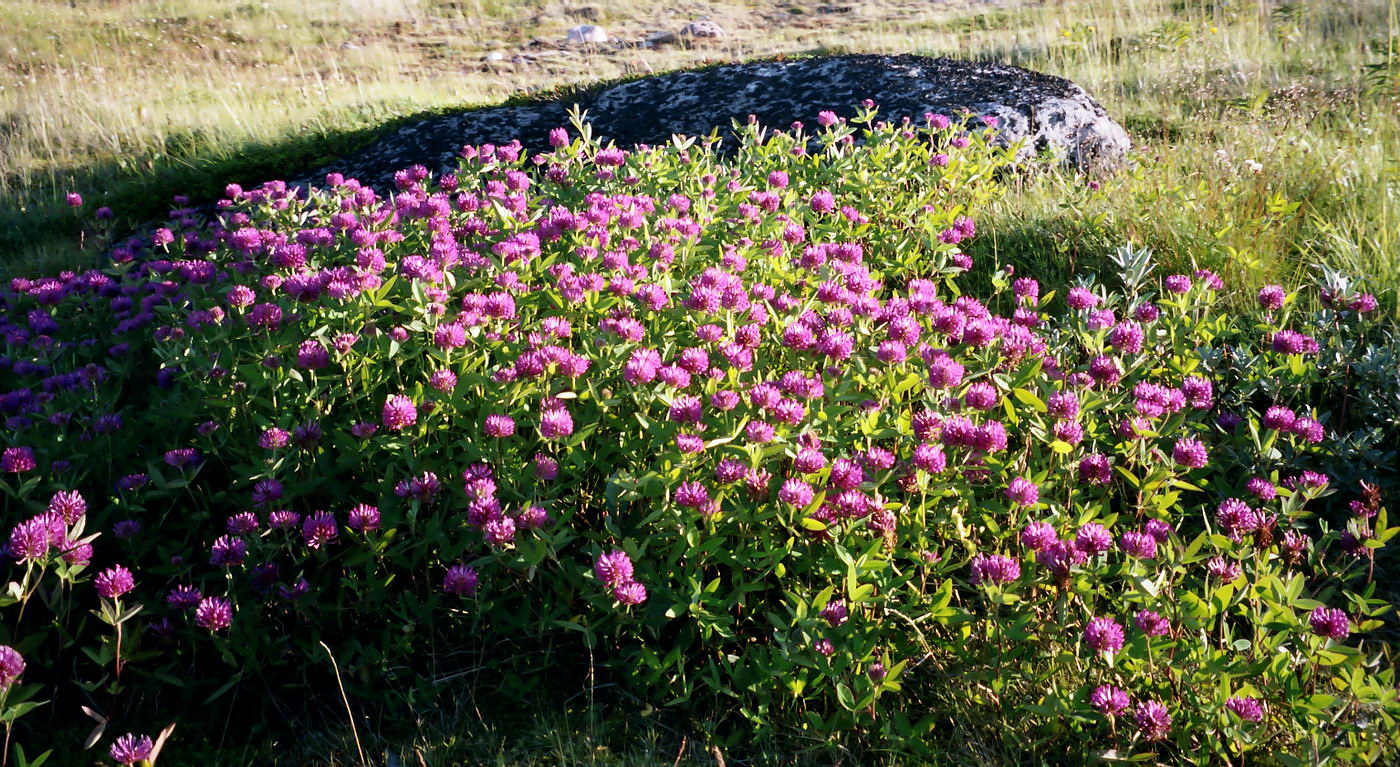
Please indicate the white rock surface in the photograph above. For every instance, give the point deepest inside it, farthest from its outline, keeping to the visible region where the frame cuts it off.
(587, 33)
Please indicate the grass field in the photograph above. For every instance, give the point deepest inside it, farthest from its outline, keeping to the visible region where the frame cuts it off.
(1267, 130)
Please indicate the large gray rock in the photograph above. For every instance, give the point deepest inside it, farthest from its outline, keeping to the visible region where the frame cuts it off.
(1050, 113)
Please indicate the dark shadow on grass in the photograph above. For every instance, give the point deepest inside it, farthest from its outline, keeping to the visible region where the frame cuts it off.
(141, 190)
(1052, 250)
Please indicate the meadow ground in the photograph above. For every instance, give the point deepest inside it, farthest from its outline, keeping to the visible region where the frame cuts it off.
(1267, 129)
(1267, 133)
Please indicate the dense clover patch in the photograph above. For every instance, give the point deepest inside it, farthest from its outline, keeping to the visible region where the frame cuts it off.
(722, 429)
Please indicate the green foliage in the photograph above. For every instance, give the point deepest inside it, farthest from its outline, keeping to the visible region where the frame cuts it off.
(763, 380)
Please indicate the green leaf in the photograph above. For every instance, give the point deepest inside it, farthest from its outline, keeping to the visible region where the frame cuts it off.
(1028, 398)
(844, 697)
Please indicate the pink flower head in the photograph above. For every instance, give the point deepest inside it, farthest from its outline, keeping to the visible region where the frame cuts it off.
(1109, 700)
(213, 614)
(1140, 545)
(499, 426)
(613, 567)
(363, 518)
(556, 423)
(1153, 720)
(1271, 297)
(995, 569)
(460, 580)
(1093, 539)
(1247, 709)
(399, 412)
(1330, 622)
(796, 493)
(835, 612)
(16, 460)
(1095, 469)
(1023, 492)
(319, 529)
(1038, 535)
(115, 581)
(629, 593)
(11, 666)
(68, 505)
(692, 495)
(130, 749)
(499, 531)
(1104, 635)
(1081, 298)
(1236, 518)
(1190, 453)
(1178, 283)
(1152, 624)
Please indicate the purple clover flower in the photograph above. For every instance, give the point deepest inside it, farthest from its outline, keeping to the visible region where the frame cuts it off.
(1152, 624)
(499, 531)
(1261, 488)
(267, 491)
(399, 412)
(30, 540)
(1093, 539)
(556, 423)
(11, 666)
(213, 614)
(692, 495)
(835, 613)
(1236, 518)
(1104, 635)
(499, 426)
(363, 518)
(1190, 453)
(613, 567)
(69, 505)
(130, 749)
(1330, 622)
(1247, 709)
(228, 551)
(115, 581)
(17, 460)
(1081, 298)
(1224, 569)
(994, 569)
(273, 438)
(1178, 283)
(460, 580)
(1095, 469)
(1153, 720)
(1141, 545)
(1023, 492)
(183, 597)
(630, 593)
(319, 529)
(1037, 536)
(1293, 342)
(797, 493)
(1109, 700)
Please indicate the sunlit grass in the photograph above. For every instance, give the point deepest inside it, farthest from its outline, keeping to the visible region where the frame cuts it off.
(131, 102)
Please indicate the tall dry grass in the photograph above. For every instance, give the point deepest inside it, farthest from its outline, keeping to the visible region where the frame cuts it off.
(1269, 129)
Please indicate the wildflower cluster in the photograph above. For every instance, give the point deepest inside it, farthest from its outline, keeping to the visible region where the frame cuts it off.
(727, 420)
